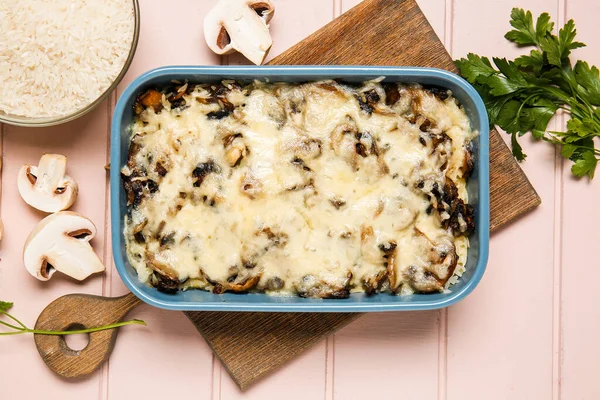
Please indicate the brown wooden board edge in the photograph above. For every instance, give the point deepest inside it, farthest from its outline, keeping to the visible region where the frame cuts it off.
(515, 188)
(251, 374)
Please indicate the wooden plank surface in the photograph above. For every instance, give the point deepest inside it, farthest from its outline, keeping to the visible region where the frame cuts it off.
(501, 336)
(504, 341)
(576, 351)
(30, 296)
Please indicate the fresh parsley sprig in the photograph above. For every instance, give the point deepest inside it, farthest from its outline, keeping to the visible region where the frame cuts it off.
(523, 95)
(20, 328)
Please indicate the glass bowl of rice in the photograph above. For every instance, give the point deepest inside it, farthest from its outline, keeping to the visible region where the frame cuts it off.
(60, 58)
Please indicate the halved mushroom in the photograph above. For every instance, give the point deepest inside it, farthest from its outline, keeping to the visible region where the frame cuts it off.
(46, 187)
(240, 25)
(60, 242)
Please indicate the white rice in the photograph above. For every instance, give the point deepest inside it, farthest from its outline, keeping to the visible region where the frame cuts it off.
(58, 56)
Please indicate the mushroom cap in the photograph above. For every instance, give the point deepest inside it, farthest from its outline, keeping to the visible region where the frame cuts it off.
(240, 25)
(46, 187)
(60, 242)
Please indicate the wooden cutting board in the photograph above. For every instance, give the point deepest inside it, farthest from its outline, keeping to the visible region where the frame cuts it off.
(376, 32)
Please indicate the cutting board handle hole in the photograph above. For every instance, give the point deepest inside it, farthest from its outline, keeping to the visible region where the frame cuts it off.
(76, 342)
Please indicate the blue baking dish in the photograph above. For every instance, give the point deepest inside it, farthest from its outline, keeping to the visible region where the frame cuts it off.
(199, 300)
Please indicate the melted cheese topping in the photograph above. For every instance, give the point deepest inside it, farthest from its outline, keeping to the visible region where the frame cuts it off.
(317, 189)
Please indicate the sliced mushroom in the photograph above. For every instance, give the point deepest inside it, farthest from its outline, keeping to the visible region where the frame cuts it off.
(240, 25)
(308, 148)
(378, 258)
(358, 149)
(392, 94)
(368, 100)
(242, 283)
(441, 93)
(337, 202)
(335, 288)
(266, 239)
(235, 149)
(373, 283)
(454, 213)
(46, 187)
(60, 242)
(250, 185)
(431, 263)
(240, 280)
(275, 283)
(202, 170)
(160, 267)
(468, 162)
(343, 141)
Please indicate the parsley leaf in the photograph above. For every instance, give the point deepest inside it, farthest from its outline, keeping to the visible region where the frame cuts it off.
(523, 95)
(5, 306)
(536, 119)
(589, 79)
(543, 26)
(586, 165)
(508, 117)
(476, 68)
(581, 128)
(524, 32)
(516, 148)
(559, 48)
(534, 61)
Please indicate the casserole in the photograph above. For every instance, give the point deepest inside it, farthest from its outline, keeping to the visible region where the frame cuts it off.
(478, 190)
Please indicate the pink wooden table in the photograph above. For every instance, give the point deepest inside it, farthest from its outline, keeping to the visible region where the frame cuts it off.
(535, 337)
